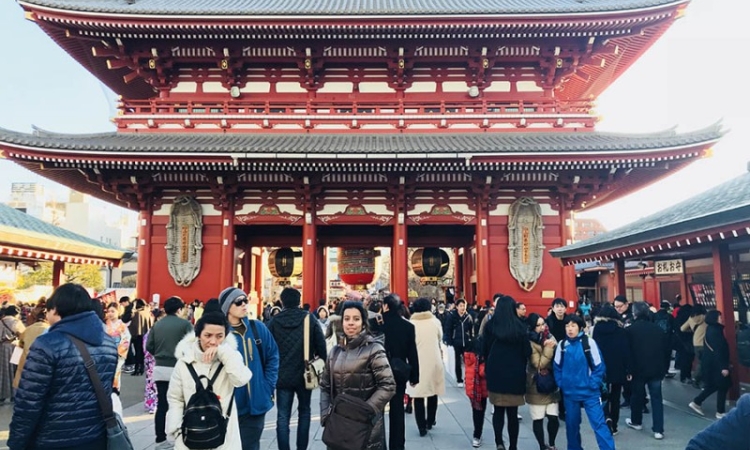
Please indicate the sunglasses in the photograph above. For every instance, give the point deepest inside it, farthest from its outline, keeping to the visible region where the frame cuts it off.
(240, 302)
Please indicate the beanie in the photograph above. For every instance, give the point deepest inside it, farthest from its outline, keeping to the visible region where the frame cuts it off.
(229, 296)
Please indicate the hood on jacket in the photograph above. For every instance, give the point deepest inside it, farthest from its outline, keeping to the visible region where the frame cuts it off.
(85, 326)
(290, 317)
(424, 315)
(189, 351)
(606, 325)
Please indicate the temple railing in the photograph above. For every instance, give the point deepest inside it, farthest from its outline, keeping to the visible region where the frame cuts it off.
(157, 113)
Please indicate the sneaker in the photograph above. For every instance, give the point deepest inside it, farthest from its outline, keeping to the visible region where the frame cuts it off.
(720, 415)
(611, 426)
(460, 384)
(629, 423)
(659, 436)
(476, 442)
(164, 445)
(520, 417)
(697, 408)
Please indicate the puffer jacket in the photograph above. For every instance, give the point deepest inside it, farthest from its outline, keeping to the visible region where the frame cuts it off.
(55, 405)
(287, 328)
(613, 343)
(541, 358)
(182, 385)
(360, 368)
(573, 374)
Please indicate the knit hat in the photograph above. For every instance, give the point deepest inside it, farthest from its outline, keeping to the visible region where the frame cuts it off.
(229, 296)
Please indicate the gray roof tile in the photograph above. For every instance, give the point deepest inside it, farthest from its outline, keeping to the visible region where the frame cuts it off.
(726, 204)
(332, 144)
(347, 8)
(14, 218)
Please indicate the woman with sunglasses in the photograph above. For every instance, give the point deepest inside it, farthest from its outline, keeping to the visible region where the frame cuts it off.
(541, 405)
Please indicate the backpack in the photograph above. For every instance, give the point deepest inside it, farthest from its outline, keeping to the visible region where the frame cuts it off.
(204, 425)
(664, 323)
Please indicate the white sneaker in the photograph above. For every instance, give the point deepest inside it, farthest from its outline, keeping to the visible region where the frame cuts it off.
(476, 442)
(460, 385)
(697, 408)
(659, 436)
(164, 445)
(629, 423)
(720, 415)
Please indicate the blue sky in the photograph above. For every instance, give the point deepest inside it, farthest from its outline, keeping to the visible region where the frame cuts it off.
(691, 78)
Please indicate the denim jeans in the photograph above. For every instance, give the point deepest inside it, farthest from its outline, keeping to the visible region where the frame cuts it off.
(284, 402)
(251, 428)
(639, 397)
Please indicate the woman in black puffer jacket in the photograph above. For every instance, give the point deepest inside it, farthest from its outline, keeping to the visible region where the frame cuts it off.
(55, 405)
(714, 365)
(610, 335)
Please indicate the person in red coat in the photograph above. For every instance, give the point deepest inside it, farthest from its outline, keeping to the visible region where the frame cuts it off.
(476, 390)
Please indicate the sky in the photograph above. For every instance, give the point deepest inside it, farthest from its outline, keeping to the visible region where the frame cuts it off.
(691, 78)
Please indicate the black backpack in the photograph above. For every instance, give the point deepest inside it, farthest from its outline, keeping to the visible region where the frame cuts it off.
(204, 425)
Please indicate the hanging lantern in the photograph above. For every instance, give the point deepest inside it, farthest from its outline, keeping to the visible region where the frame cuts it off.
(356, 266)
(285, 263)
(430, 264)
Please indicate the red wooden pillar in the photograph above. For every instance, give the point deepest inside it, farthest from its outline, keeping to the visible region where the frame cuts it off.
(468, 270)
(309, 257)
(257, 264)
(569, 290)
(320, 277)
(227, 265)
(724, 303)
(458, 271)
(483, 255)
(247, 272)
(58, 269)
(399, 257)
(619, 281)
(143, 278)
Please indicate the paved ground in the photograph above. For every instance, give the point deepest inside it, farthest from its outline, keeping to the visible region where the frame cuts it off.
(454, 424)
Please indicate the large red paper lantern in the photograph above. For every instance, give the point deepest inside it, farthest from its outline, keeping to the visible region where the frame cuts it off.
(356, 266)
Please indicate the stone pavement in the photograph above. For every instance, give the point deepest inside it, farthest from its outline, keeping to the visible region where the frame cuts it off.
(454, 423)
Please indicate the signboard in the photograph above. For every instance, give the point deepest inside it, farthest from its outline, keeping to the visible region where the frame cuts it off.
(669, 267)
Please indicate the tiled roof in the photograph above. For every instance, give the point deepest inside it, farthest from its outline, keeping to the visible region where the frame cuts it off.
(13, 218)
(726, 204)
(347, 8)
(332, 144)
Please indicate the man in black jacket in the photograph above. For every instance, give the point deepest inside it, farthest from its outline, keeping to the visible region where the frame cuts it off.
(648, 345)
(460, 336)
(401, 348)
(287, 328)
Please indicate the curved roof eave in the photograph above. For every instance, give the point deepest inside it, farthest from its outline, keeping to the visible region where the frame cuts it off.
(305, 9)
(716, 208)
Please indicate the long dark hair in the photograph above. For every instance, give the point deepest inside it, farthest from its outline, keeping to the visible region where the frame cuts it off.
(505, 324)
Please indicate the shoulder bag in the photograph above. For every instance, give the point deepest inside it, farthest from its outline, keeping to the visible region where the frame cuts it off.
(544, 378)
(117, 432)
(314, 367)
(351, 420)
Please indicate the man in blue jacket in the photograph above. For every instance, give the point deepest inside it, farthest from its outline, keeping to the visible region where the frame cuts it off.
(579, 372)
(55, 405)
(261, 354)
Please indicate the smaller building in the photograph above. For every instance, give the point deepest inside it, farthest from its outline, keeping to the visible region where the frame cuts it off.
(586, 229)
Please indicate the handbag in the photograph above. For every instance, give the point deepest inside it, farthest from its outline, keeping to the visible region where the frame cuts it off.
(544, 379)
(15, 358)
(117, 432)
(401, 370)
(314, 368)
(350, 422)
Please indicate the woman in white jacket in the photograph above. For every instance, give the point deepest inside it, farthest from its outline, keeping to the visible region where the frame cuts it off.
(205, 351)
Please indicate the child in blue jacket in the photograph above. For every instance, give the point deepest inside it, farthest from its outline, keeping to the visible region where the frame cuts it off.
(579, 372)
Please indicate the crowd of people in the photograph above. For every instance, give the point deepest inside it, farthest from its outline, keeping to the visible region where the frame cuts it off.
(382, 352)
